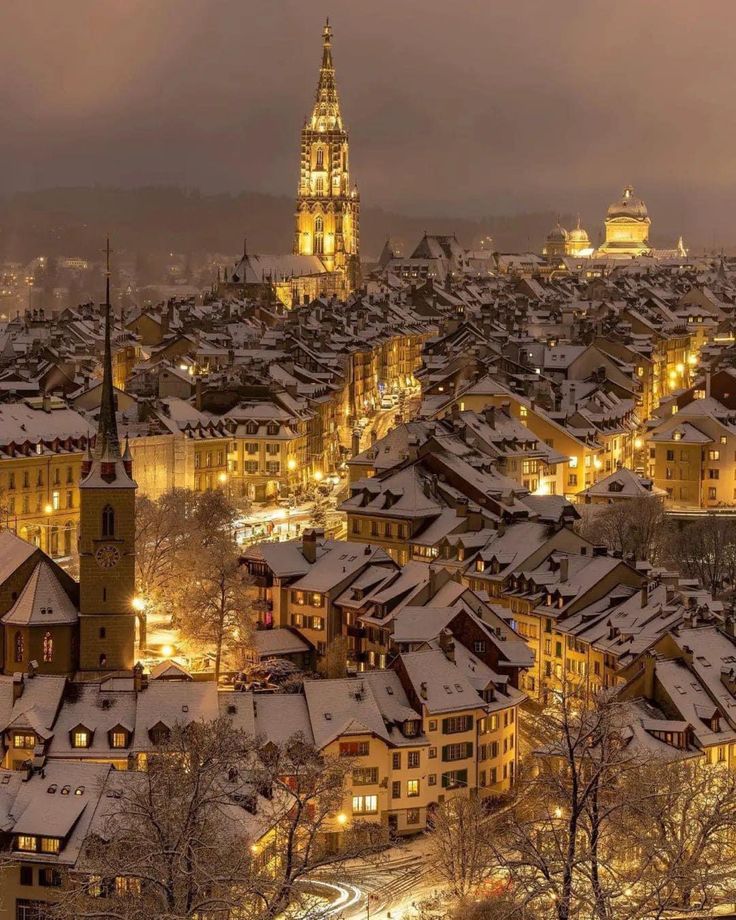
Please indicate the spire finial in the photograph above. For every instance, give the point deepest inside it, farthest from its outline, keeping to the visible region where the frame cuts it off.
(107, 446)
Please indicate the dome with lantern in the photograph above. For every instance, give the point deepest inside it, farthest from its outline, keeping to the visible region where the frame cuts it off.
(629, 206)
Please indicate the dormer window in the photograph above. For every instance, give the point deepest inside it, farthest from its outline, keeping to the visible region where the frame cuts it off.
(479, 565)
(81, 737)
(272, 429)
(159, 733)
(118, 737)
(411, 728)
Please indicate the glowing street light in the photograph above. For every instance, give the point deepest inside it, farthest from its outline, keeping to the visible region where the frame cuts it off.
(318, 475)
(48, 508)
(222, 478)
(291, 464)
(138, 603)
(167, 651)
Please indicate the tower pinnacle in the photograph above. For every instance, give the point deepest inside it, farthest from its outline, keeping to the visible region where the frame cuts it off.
(107, 445)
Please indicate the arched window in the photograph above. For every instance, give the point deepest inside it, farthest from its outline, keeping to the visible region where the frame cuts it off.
(48, 647)
(108, 522)
(319, 243)
(319, 186)
(19, 646)
(320, 157)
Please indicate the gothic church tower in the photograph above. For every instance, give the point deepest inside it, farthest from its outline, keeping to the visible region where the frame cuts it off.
(107, 538)
(328, 209)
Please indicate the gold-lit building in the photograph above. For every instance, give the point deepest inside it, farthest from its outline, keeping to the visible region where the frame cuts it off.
(627, 227)
(561, 242)
(328, 208)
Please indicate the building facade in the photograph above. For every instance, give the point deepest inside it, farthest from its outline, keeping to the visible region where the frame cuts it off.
(328, 208)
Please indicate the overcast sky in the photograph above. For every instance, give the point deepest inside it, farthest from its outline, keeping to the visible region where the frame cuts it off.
(471, 107)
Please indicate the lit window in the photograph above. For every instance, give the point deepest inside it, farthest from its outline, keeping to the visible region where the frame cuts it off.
(412, 787)
(49, 844)
(119, 739)
(29, 844)
(80, 738)
(55, 504)
(24, 740)
(365, 804)
(48, 647)
(572, 463)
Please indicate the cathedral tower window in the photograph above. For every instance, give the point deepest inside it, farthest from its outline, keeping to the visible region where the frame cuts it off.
(319, 186)
(19, 646)
(319, 244)
(108, 521)
(48, 647)
(320, 157)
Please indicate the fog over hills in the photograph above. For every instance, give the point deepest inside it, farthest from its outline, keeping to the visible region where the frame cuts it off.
(73, 221)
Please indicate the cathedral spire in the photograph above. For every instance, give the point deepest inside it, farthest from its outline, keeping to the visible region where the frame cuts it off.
(107, 445)
(326, 113)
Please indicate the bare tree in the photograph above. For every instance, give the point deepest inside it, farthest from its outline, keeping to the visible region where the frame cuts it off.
(706, 549)
(308, 792)
(603, 828)
(336, 658)
(217, 826)
(161, 535)
(634, 527)
(170, 842)
(460, 848)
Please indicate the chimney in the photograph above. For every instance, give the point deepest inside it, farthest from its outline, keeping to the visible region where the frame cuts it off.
(140, 680)
(489, 414)
(650, 662)
(46, 402)
(309, 545)
(356, 441)
(447, 644)
(423, 689)
(728, 679)
(644, 594)
(707, 384)
(687, 655)
(32, 668)
(564, 567)
(374, 436)
(17, 686)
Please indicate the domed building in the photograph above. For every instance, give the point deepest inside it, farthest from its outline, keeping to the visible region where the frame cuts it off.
(627, 227)
(561, 242)
(578, 242)
(556, 243)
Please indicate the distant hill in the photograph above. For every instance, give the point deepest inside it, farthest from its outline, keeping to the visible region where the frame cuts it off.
(157, 220)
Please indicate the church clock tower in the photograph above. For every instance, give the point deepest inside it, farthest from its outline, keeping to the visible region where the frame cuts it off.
(107, 537)
(328, 208)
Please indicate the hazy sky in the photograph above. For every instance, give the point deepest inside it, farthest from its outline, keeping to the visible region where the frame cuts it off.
(471, 107)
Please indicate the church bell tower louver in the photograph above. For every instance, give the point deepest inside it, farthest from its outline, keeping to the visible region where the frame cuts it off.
(328, 208)
(107, 621)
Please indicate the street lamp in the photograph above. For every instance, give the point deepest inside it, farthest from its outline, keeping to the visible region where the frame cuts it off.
(291, 464)
(222, 478)
(48, 508)
(138, 603)
(318, 475)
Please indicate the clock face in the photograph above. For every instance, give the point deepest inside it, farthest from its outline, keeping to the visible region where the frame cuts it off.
(107, 556)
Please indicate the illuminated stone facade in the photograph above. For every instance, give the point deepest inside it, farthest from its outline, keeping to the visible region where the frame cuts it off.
(327, 210)
(627, 227)
(107, 542)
